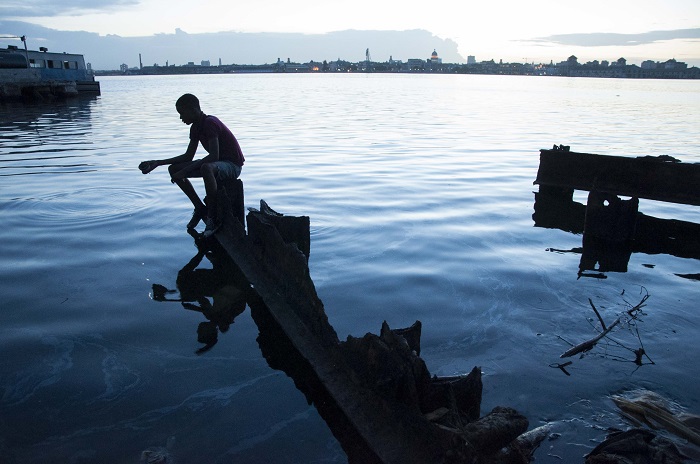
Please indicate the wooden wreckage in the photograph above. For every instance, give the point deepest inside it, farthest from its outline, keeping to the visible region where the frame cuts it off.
(613, 228)
(375, 392)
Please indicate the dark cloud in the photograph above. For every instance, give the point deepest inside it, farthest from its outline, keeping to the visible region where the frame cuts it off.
(34, 8)
(604, 39)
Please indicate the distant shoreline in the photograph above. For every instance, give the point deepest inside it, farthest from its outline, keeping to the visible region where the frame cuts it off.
(668, 70)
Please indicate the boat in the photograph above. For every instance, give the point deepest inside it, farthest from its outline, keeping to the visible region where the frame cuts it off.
(40, 74)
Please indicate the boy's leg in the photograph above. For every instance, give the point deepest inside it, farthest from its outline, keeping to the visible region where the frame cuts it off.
(187, 187)
(209, 172)
(212, 173)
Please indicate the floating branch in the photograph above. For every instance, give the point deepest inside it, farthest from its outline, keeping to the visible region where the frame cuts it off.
(602, 322)
(638, 306)
(589, 344)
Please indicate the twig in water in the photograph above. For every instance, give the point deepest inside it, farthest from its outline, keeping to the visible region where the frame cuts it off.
(639, 306)
(562, 367)
(589, 344)
(602, 323)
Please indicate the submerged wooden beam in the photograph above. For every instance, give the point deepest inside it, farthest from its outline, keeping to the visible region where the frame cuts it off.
(653, 178)
(292, 301)
(379, 383)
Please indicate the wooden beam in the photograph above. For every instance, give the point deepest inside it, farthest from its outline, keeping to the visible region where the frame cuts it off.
(653, 178)
(293, 303)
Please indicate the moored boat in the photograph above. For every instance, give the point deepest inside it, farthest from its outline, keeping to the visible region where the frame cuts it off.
(44, 75)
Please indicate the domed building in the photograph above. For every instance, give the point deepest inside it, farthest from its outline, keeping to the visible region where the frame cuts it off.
(434, 58)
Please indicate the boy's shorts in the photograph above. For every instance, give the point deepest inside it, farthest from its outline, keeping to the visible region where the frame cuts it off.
(226, 170)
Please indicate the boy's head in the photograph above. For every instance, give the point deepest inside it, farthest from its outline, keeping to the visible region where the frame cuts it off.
(188, 107)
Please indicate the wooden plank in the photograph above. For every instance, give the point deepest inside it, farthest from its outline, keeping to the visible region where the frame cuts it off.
(378, 383)
(644, 177)
(384, 427)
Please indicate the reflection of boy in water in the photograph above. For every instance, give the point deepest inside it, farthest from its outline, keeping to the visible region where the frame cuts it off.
(220, 283)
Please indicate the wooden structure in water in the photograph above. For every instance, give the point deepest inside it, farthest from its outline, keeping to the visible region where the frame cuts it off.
(390, 409)
(654, 178)
(613, 228)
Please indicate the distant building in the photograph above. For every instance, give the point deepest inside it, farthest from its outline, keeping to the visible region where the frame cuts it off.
(206, 63)
(415, 64)
(673, 64)
(471, 59)
(434, 59)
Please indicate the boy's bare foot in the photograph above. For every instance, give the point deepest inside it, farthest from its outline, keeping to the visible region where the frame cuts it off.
(197, 215)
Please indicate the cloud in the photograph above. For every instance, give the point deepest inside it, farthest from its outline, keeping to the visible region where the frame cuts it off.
(604, 39)
(43, 8)
(180, 47)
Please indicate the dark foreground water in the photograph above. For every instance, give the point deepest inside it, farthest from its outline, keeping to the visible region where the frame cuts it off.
(420, 194)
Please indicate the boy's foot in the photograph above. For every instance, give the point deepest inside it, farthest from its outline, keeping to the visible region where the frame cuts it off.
(212, 226)
(197, 216)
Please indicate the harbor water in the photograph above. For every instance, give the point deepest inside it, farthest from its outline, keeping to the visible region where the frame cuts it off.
(420, 193)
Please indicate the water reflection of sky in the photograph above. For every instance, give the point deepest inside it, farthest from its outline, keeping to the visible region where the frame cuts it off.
(420, 195)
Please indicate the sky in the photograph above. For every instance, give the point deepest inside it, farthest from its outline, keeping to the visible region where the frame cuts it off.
(508, 30)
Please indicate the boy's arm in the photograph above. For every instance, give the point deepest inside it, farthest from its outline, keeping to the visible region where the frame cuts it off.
(211, 157)
(148, 166)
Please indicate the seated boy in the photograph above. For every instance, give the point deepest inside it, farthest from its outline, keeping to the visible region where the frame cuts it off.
(223, 161)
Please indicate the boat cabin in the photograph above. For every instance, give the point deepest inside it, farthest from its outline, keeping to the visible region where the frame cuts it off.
(27, 73)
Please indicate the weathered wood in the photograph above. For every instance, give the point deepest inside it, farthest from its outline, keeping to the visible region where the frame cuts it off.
(654, 178)
(635, 445)
(231, 199)
(381, 425)
(378, 383)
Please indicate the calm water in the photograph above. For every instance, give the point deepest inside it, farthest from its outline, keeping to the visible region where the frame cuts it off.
(420, 194)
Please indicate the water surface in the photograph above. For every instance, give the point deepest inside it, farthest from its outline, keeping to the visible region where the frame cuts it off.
(420, 194)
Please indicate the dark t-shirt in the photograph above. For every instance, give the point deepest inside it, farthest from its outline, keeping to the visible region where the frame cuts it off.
(210, 126)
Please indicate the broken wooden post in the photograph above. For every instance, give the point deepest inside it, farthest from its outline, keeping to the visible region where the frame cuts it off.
(230, 200)
(378, 383)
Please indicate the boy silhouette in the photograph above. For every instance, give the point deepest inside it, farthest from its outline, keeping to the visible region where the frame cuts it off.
(224, 161)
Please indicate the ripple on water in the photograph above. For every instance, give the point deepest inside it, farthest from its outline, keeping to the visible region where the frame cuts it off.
(79, 207)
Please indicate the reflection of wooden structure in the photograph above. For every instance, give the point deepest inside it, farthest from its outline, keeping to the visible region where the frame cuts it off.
(651, 235)
(613, 228)
(391, 409)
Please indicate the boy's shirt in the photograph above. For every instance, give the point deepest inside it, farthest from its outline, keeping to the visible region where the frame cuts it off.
(210, 126)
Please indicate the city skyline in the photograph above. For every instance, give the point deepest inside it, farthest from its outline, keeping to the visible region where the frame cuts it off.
(535, 31)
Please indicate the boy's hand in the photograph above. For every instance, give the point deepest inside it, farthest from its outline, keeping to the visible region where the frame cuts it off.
(147, 166)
